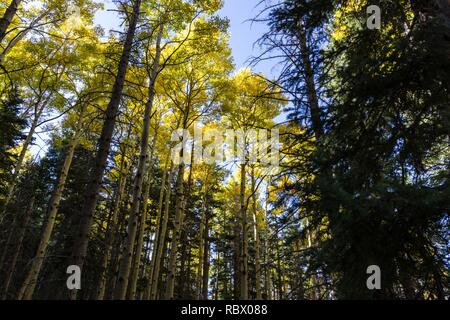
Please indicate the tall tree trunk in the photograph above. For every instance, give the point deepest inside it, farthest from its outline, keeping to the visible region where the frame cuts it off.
(237, 245)
(311, 91)
(216, 287)
(125, 266)
(142, 224)
(158, 230)
(256, 239)
(116, 253)
(187, 221)
(201, 246)
(268, 278)
(201, 239)
(279, 272)
(112, 228)
(160, 244)
(178, 222)
(315, 290)
(179, 207)
(5, 21)
(119, 229)
(19, 244)
(81, 243)
(244, 254)
(27, 289)
(205, 262)
(317, 125)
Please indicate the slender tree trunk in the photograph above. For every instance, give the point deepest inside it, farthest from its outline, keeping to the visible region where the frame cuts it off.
(311, 91)
(136, 261)
(216, 288)
(125, 266)
(244, 255)
(27, 289)
(187, 221)
(158, 231)
(112, 270)
(256, 238)
(317, 123)
(112, 229)
(315, 291)
(268, 280)
(178, 222)
(142, 224)
(237, 246)
(161, 240)
(19, 244)
(5, 21)
(201, 246)
(201, 238)
(279, 272)
(81, 243)
(118, 230)
(179, 207)
(205, 262)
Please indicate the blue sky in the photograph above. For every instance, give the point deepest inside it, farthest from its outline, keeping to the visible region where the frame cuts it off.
(243, 32)
(243, 35)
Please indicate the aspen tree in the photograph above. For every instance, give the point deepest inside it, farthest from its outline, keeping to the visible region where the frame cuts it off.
(161, 239)
(158, 230)
(112, 227)
(80, 246)
(206, 264)
(125, 265)
(256, 235)
(27, 289)
(142, 224)
(201, 239)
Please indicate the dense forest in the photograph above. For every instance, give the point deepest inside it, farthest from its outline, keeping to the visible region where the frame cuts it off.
(103, 174)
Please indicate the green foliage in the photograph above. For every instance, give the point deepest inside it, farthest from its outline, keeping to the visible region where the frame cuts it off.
(10, 136)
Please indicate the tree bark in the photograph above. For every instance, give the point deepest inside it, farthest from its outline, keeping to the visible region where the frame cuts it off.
(237, 245)
(244, 224)
(201, 241)
(161, 239)
(187, 221)
(256, 239)
(310, 83)
(200, 248)
(279, 272)
(5, 21)
(142, 224)
(178, 222)
(80, 246)
(158, 231)
(125, 266)
(268, 278)
(206, 263)
(27, 289)
(112, 229)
